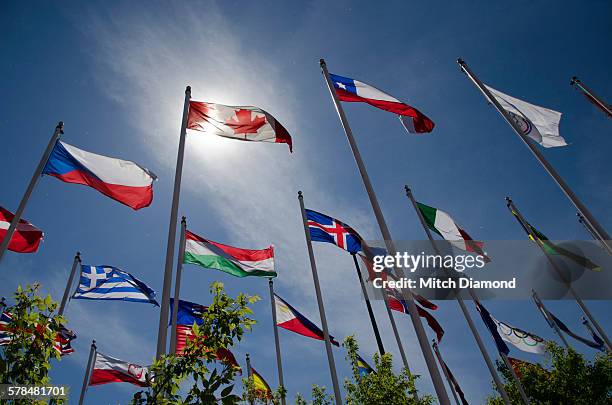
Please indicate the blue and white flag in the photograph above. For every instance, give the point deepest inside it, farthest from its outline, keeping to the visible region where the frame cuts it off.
(111, 283)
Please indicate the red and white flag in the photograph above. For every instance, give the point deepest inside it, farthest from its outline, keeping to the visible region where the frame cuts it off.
(26, 237)
(108, 370)
(238, 122)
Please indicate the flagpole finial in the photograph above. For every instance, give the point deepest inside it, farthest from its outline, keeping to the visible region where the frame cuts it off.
(408, 191)
(93, 343)
(77, 256)
(574, 80)
(322, 62)
(508, 200)
(188, 89)
(184, 219)
(460, 61)
(300, 194)
(60, 127)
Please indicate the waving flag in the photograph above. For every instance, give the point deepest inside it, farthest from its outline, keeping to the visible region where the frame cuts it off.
(121, 180)
(26, 238)
(324, 228)
(63, 338)
(189, 313)
(111, 283)
(397, 303)
(363, 367)
(232, 260)
(262, 389)
(238, 122)
(442, 224)
(525, 341)
(490, 324)
(553, 320)
(352, 90)
(538, 123)
(289, 318)
(109, 370)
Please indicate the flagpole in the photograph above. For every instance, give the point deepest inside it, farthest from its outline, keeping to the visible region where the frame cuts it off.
(59, 130)
(591, 232)
(315, 278)
(379, 342)
(249, 373)
(400, 346)
(177, 285)
(464, 310)
(92, 358)
(550, 322)
(279, 363)
(444, 370)
(598, 101)
(414, 316)
(518, 383)
(162, 332)
(587, 325)
(75, 263)
(599, 230)
(519, 217)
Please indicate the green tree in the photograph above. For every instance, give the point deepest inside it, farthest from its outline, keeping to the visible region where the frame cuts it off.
(25, 360)
(383, 386)
(224, 324)
(568, 379)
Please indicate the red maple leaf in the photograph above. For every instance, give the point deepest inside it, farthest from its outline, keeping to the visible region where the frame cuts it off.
(243, 123)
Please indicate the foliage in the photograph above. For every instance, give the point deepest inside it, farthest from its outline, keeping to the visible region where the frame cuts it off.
(253, 396)
(25, 360)
(224, 324)
(569, 379)
(383, 386)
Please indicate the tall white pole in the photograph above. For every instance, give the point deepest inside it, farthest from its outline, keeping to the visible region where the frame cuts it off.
(445, 371)
(315, 279)
(177, 285)
(279, 363)
(517, 381)
(90, 363)
(162, 332)
(599, 230)
(434, 373)
(59, 130)
(550, 322)
(75, 264)
(603, 106)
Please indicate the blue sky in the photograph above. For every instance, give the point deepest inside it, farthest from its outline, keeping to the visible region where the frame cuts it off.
(116, 73)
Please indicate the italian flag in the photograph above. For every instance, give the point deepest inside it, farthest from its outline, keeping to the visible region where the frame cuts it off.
(442, 224)
(235, 261)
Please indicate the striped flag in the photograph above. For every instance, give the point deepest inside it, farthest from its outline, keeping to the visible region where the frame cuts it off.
(26, 238)
(232, 260)
(63, 338)
(111, 283)
(262, 388)
(109, 369)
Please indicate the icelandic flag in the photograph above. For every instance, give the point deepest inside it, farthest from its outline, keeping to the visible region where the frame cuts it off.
(111, 283)
(289, 318)
(121, 180)
(324, 228)
(353, 90)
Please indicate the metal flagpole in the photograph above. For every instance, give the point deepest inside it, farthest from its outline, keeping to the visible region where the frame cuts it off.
(249, 373)
(400, 346)
(379, 342)
(464, 310)
(177, 285)
(606, 108)
(599, 230)
(90, 363)
(414, 315)
(75, 263)
(162, 332)
(444, 370)
(279, 363)
(589, 327)
(315, 278)
(590, 230)
(59, 130)
(550, 322)
(525, 225)
(515, 378)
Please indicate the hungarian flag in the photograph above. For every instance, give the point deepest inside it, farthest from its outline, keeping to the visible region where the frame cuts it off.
(261, 387)
(289, 318)
(109, 369)
(352, 90)
(442, 224)
(238, 122)
(121, 180)
(26, 237)
(553, 249)
(235, 261)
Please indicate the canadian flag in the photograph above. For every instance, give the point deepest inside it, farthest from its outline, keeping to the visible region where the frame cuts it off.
(238, 122)
(109, 369)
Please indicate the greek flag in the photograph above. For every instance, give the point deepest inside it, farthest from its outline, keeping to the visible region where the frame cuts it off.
(111, 283)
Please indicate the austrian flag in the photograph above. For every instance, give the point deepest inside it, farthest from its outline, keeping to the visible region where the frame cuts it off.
(238, 122)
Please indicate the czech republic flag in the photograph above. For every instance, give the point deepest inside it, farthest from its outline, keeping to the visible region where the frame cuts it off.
(121, 180)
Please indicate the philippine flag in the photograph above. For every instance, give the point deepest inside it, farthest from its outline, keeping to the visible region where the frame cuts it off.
(353, 90)
(121, 180)
(289, 318)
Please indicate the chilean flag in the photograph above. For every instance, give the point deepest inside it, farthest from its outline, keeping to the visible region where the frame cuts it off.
(121, 180)
(289, 318)
(109, 369)
(26, 237)
(353, 90)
